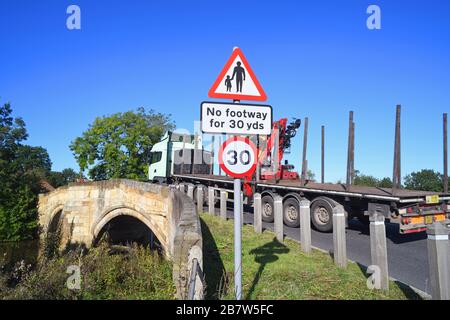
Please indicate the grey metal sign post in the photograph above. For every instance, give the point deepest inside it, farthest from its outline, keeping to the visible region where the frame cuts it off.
(237, 240)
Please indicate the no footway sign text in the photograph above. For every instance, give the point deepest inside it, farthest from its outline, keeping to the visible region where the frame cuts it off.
(232, 118)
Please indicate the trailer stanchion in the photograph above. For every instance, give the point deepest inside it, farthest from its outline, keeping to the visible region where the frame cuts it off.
(200, 199)
(305, 225)
(211, 201)
(190, 191)
(278, 217)
(339, 241)
(438, 261)
(257, 217)
(378, 250)
(223, 204)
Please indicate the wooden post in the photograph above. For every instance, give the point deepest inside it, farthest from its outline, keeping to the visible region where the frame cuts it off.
(257, 213)
(339, 240)
(305, 225)
(190, 191)
(223, 204)
(305, 146)
(378, 249)
(396, 176)
(278, 217)
(438, 261)
(211, 200)
(323, 155)
(352, 155)
(199, 199)
(445, 155)
(349, 151)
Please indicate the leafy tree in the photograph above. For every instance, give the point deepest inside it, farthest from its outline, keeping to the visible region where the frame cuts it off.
(20, 167)
(364, 180)
(385, 183)
(310, 175)
(371, 181)
(426, 179)
(118, 146)
(58, 179)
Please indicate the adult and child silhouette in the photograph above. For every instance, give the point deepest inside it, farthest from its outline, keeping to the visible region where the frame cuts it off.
(239, 72)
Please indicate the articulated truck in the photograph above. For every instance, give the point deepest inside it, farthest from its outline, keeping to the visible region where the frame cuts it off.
(180, 158)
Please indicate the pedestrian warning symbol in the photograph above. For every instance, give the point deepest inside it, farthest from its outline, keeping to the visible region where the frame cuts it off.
(237, 81)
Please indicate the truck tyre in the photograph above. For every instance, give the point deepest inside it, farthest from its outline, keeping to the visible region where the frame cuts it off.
(291, 212)
(322, 215)
(267, 208)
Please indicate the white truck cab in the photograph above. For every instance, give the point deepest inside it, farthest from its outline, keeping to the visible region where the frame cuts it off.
(166, 156)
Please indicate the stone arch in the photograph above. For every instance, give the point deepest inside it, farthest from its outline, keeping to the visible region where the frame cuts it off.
(127, 211)
(57, 209)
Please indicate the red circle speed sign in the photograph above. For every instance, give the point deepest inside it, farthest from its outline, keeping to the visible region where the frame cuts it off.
(237, 157)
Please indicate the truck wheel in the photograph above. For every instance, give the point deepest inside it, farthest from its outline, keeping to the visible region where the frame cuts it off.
(267, 208)
(291, 212)
(322, 215)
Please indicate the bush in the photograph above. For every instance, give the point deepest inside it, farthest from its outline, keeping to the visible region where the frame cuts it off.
(140, 274)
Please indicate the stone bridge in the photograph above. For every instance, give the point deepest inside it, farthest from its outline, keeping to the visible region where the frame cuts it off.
(84, 210)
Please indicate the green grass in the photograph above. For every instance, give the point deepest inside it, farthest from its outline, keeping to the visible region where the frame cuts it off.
(272, 270)
(140, 274)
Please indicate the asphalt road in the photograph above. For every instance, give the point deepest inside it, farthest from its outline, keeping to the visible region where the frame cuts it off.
(407, 254)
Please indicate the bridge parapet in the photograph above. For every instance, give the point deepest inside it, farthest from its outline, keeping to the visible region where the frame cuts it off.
(84, 209)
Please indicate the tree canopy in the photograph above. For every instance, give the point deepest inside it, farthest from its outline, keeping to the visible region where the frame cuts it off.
(425, 179)
(371, 181)
(19, 186)
(118, 146)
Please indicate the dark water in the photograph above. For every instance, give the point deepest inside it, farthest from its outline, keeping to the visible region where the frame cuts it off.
(13, 252)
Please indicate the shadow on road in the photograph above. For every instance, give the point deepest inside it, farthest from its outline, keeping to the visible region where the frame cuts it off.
(392, 232)
(264, 255)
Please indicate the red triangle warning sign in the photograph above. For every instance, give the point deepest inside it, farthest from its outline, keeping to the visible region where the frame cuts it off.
(237, 81)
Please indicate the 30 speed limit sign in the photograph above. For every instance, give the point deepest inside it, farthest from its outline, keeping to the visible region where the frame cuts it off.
(237, 157)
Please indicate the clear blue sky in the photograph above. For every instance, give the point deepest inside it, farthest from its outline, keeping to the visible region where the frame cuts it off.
(315, 59)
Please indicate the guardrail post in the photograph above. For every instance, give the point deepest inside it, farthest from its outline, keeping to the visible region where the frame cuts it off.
(190, 191)
(438, 261)
(211, 201)
(278, 217)
(339, 241)
(378, 250)
(223, 204)
(200, 199)
(305, 225)
(257, 217)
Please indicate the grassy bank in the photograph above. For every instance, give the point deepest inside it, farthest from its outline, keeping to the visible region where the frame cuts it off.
(139, 274)
(272, 270)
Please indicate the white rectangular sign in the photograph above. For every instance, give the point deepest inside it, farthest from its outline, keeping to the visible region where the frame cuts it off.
(236, 118)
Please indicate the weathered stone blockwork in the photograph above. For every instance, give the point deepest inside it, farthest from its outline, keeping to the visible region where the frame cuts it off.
(85, 208)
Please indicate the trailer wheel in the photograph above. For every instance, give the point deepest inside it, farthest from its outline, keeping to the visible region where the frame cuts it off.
(322, 215)
(291, 212)
(267, 208)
